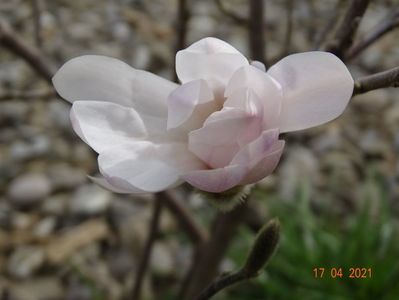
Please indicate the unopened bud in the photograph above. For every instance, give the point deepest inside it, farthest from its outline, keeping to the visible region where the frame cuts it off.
(263, 248)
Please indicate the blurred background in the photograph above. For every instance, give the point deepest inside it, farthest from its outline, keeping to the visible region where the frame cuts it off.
(335, 192)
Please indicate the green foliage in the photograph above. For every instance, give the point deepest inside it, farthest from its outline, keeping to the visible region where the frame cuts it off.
(366, 238)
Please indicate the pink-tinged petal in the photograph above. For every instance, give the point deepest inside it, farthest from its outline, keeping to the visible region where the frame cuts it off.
(260, 168)
(146, 166)
(259, 65)
(218, 141)
(116, 188)
(264, 86)
(104, 125)
(209, 59)
(317, 86)
(183, 100)
(216, 180)
(255, 150)
(246, 100)
(101, 78)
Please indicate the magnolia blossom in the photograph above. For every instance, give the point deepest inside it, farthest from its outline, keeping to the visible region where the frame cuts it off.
(217, 130)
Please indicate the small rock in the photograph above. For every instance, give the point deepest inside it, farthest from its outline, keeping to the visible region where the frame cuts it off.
(55, 205)
(44, 288)
(90, 199)
(64, 176)
(161, 259)
(45, 227)
(24, 261)
(120, 262)
(24, 150)
(29, 189)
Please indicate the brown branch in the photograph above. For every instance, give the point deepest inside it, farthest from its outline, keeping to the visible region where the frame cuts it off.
(289, 5)
(183, 216)
(255, 30)
(146, 253)
(10, 40)
(183, 16)
(37, 7)
(22, 95)
(388, 24)
(389, 78)
(230, 14)
(262, 250)
(346, 31)
(329, 25)
(212, 252)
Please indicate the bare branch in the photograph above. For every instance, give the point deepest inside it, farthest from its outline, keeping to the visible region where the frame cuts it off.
(289, 5)
(223, 230)
(389, 78)
(230, 14)
(262, 250)
(388, 24)
(146, 253)
(183, 216)
(22, 95)
(256, 32)
(329, 25)
(10, 39)
(346, 31)
(183, 16)
(37, 8)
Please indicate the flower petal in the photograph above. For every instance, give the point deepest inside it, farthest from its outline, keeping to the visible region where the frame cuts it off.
(255, 150)
(183, 100)
(264, 86)
(101, 78)
(316, 85)
(260, 168)
(216, 180)
(147, 166)
(104, 125)
(217, 141)
(101, 181)
(210, 59)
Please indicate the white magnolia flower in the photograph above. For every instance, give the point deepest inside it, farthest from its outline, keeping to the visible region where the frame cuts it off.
(217, 130)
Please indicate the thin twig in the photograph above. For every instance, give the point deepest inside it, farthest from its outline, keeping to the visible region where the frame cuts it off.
(230, 14)
(37, 7)
(27, 95)
(212, 252)
(222, 283)
(388, 24)
(389, 78)
(183, 16)
(255, 30)
(329, 25)
(146, 253)
(289, 7)
(263, 248)
(346, 31)
(183, 216)
(13, 42)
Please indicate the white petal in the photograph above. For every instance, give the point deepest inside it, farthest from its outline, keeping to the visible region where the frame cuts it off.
(104, 125)
(102, 78)
(183, 100)
(147, 166)
(264, 86)
(216, 180)
(317, 86)
(209, 59)
(255, 150)
(259, 65)
(260, 168)
(218, 141)
(101, 181)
